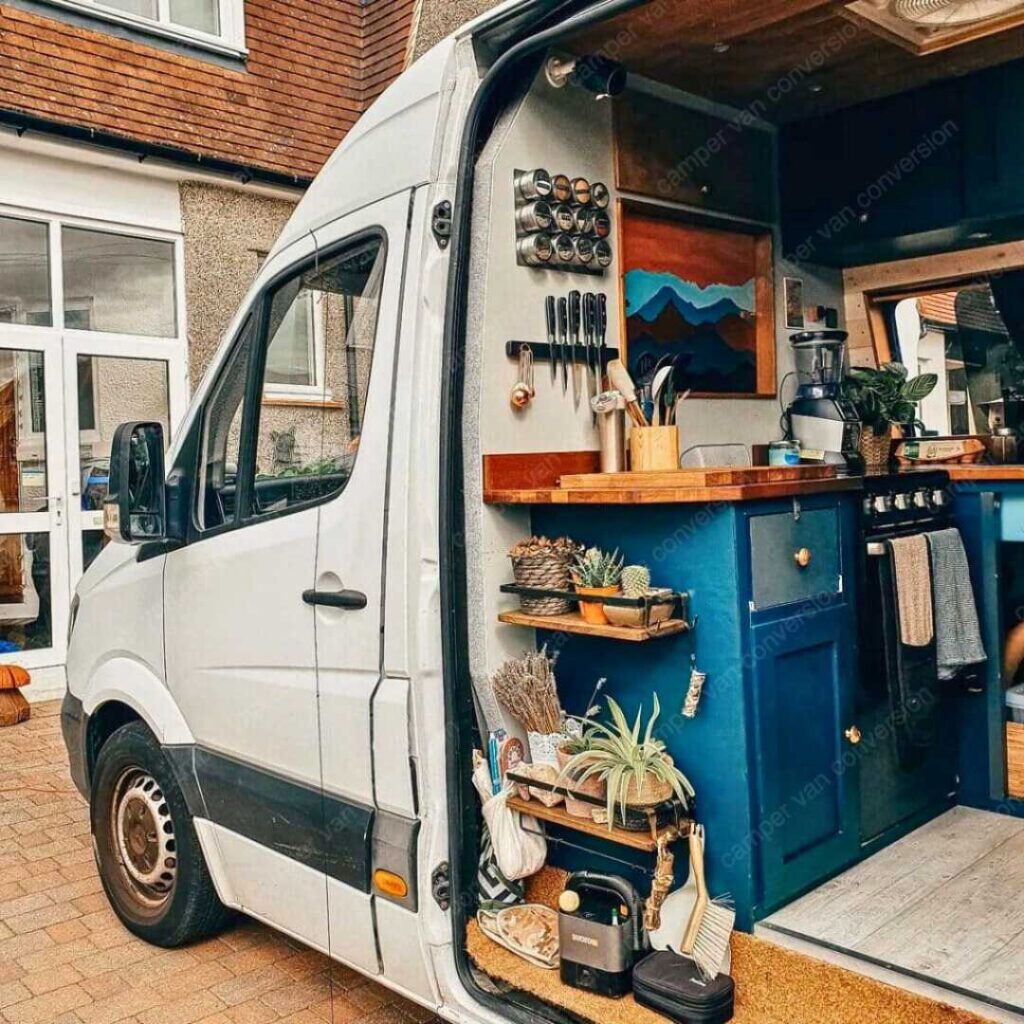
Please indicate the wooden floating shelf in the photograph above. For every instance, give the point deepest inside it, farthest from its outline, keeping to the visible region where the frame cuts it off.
(573, 623)
(560, 816)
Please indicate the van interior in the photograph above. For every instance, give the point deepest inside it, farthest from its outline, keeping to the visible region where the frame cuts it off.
(714, 191)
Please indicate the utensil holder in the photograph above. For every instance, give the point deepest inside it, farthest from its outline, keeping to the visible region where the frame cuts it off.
(653, 449)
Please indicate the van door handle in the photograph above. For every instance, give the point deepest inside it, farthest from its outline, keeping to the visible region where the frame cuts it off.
(335, 598)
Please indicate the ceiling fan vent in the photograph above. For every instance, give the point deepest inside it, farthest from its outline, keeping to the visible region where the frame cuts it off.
(950, 13)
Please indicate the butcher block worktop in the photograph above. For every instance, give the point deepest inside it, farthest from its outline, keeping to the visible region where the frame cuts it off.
(571, 478)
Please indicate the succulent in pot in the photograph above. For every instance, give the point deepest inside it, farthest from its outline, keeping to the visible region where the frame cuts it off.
(597, 573)
(634, 766)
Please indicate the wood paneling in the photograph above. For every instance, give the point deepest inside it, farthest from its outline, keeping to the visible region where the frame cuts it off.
(1015, 759)
(777, 50)
(677, 153)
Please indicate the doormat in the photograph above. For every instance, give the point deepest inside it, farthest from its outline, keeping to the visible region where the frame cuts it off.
(773, 985)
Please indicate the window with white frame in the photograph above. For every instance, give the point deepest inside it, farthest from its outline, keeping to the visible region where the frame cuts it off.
(295, 358)
(216, 24)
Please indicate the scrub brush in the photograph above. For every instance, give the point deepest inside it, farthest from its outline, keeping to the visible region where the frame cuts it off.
(707, 934)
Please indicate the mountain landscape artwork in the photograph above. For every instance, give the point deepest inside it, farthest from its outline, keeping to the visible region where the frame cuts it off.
(698, 295)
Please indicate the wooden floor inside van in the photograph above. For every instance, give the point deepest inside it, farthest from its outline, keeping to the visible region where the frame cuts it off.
(944, 906)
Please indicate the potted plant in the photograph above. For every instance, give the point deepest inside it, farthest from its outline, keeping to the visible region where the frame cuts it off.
(634, 766)
(884, 399)
(598, 574)
(576, 748)
(575, 742)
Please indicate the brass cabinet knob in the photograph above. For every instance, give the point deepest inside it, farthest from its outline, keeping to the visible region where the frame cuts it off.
(853, 734)
(802, 557)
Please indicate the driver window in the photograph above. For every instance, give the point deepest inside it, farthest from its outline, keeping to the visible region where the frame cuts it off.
(320, 332)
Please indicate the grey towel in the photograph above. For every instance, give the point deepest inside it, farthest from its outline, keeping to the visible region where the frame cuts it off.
(957, 634)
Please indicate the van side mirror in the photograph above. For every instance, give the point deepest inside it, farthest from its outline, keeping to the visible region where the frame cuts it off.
(135, 509)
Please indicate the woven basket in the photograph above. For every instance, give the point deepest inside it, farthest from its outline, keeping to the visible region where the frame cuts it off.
(546, 572)
(875, 450)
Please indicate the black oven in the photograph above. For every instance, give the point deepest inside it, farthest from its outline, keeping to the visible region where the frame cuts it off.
(907, 749)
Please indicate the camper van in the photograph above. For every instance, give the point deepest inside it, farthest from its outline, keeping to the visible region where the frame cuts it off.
(621, 621)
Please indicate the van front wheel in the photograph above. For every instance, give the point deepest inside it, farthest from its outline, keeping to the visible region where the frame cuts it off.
(147, 851)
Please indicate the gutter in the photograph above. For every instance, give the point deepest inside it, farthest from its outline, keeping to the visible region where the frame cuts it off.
(458, 696)
(22, 123)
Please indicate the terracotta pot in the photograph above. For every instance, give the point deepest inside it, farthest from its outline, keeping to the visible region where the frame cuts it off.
(592, 611)
(875, 450)
(591, 787)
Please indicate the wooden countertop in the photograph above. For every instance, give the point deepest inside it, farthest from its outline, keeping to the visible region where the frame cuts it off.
(981, 473)
(571, 478)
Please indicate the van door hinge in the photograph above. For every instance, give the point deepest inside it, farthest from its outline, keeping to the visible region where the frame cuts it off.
(441, 223)
(441, 885)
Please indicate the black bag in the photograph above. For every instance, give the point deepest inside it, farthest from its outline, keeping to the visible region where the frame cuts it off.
(672, 985)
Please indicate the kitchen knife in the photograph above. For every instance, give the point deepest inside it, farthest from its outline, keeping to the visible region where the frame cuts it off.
(589, 323)
(602, 330)
(574, 337)
(549, 312)
(563, 338)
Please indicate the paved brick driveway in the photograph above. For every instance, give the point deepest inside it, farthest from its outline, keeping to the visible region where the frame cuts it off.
(65, 959)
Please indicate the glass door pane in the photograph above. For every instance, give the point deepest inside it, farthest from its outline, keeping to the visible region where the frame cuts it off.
(33, 545)
(108, 390)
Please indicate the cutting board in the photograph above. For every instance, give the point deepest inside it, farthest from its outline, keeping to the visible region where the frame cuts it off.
(706, 476)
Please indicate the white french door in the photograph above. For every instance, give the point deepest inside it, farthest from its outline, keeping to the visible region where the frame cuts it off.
(34, 578)
(107, 380)
(92, 333)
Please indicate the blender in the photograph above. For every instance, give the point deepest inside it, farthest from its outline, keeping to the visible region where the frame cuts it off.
(827, 427)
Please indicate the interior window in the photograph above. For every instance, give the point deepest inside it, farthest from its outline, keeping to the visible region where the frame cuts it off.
(972, 337)
(221, 440)
(320, 332)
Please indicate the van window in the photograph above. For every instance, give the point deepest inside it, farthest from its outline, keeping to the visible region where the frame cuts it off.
(320, 327)
(222, 434)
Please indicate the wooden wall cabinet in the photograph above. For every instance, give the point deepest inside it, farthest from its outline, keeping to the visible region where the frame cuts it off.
(689, 156)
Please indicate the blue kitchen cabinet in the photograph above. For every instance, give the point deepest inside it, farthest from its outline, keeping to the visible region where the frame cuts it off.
(807, 812)
(777, 641)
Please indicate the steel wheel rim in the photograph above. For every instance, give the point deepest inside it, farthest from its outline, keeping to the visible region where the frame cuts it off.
(143, 837)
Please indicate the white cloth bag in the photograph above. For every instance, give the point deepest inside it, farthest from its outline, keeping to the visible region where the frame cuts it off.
(519, 853)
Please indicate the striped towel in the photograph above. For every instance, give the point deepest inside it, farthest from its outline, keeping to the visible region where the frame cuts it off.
(957, 634)
(913, 589)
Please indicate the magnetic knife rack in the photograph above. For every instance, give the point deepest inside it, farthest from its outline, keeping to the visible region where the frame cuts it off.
(541, 352)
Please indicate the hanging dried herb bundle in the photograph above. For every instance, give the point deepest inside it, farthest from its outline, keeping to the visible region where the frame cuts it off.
(526, 688)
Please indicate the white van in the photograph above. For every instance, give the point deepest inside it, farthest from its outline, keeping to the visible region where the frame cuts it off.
(279, 673)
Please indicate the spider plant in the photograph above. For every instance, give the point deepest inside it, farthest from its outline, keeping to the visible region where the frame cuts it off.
(621, 757)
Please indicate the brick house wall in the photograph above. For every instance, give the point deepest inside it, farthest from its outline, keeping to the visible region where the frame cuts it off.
(311, 70)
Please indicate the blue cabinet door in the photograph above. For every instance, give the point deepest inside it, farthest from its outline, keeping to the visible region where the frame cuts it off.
(806, 826)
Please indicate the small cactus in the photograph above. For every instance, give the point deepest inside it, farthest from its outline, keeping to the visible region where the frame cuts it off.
(636, 580)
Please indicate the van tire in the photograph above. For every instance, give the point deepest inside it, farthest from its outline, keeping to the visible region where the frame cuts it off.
(146, 847)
